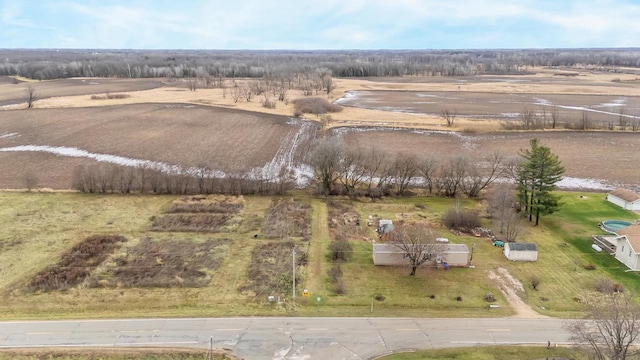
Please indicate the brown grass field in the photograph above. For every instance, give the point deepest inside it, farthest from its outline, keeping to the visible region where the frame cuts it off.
(14, 93)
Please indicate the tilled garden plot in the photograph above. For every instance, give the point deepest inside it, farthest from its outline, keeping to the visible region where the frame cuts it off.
(164, 263)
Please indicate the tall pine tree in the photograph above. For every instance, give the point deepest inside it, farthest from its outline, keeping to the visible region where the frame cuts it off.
(537, 175)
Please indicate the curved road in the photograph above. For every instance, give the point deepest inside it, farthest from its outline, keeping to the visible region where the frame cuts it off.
(285, 338)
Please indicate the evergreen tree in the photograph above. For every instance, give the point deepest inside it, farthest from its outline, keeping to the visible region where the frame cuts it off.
(537, 175)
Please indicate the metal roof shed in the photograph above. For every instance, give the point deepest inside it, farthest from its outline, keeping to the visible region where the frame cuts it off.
(521, 251)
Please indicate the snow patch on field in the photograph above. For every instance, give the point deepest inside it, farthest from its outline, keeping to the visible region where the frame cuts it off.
(349, 96)
(112, 159)
(8, 135)
(289, 147)
(568, 182)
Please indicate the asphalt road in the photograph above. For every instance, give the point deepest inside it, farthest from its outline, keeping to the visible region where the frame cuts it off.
(285, 338)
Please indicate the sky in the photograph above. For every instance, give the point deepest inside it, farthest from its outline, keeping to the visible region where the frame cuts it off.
(319, 24)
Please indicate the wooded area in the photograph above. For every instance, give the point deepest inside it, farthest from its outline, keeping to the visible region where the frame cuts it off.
(44, 64)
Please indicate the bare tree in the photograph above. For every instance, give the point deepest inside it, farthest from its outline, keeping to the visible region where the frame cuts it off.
(247, 93)
(614, 326)
(623, 120)
(32, 96)
(327, 83)
(30, 179)
(555, 117)
(403, 170)
(428, 167)
(235, 93)
(352, 171)
(376, 165)
(192, 84)
(449, 117)
(586, 121)
(513, 225)
(500, 201)
(475, 180)
(527, 119)
(325, 161)
(417, 242)
(452, 173)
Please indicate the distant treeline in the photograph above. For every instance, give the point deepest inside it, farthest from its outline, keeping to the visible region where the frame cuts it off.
(46, 64)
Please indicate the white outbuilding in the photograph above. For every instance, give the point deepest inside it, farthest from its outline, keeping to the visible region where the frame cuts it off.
(521, 251)
(624, 198)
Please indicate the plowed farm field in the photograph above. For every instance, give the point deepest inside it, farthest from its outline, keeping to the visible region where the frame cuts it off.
(53, 141)
(609, 159)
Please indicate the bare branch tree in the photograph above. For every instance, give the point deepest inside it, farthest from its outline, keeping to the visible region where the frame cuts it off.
(452, 173)
(476, 180)
(614, 326)
(376, 165)
(500, 201)
(352, 171)
(418, 243)
(623, 120)
(325, 161)
(513, 225)
(30, 179)
(403, 170)
(527, 118)
(555, 117)
(32, 96)
(428, 167)
(235, 93)
(449, 117)
(586, 121)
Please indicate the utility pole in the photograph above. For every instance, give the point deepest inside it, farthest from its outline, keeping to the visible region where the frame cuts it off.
(293, 295)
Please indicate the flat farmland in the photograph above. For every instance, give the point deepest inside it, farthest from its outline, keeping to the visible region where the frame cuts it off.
(175, 134)
(497, 106)
(610, 157)
(14, 91)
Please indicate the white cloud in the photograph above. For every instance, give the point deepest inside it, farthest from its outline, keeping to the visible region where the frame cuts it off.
(330, 23)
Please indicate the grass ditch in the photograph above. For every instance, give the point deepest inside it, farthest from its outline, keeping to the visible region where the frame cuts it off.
(114, 354)
(491, 353)
(164, 263)
(76, 264)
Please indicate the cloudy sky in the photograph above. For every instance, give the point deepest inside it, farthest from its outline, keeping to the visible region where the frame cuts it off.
(319, 24)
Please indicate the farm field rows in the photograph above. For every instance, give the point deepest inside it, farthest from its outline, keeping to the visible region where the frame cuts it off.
(607, 158)
(160, 120)
(141, 278)
(174, 134)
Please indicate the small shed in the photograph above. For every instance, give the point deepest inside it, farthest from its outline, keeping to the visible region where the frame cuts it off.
(386, 254)
(624, 198)
(521, 251)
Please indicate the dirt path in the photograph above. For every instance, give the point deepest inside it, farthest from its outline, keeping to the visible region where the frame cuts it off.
(509, 286)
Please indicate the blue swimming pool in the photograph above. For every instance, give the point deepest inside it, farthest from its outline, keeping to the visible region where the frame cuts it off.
(613, 226)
